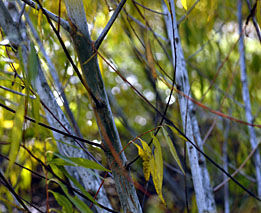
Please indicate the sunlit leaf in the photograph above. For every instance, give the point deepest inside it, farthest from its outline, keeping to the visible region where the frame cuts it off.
(146, 156)
(172, 150)
(184, 4)
(16, 134)
(157, 171)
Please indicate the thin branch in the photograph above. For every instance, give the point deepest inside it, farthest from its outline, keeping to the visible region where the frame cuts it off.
(21, 13)
(10, 188)
(238, 169)
(254, 20)
(146, 8)
(109, 25)
(145, 27)
(187, 13)
(16, 92)
(51, 15)
(54, 129)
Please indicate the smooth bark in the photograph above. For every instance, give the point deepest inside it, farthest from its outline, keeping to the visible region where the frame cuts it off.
(246, 98)
(203, 190)
(109, 134)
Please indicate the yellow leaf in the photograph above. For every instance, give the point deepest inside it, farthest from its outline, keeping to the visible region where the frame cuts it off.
(16, 134)
(184, 4)
(172, 150)
(157, 169)
(146, 156)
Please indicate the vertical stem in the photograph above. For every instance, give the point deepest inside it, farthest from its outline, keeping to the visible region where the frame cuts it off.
(246, 98)
(203, 190)
(102, 110)
(225, 166)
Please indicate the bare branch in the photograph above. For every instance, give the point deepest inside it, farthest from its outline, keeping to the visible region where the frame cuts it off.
(187, 13)
(146, 8)
(109, 25)
(254, 21)
(51, 15)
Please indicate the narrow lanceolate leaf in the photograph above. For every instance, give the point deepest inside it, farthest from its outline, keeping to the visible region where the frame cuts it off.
(177, 133)
(79, 186)
(151, 165)
(172, 150)
(32, 64)
(157, 171)
(16, 134)
(150, 59)
(36, 108)
(67, 161)
(63, 202)
(146, 156)
(184, 4)
(80, 205)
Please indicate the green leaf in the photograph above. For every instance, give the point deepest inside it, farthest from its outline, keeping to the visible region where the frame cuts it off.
(16, 134)
(79, 186)
(88, 164)
(60, 162)
(32, 64)
(63, 202)
(80, 205)
(65, 161)
(172, 150)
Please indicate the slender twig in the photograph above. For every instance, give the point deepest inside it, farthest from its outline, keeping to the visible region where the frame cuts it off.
(145, 27)
(153, 33)
(187, 13)
(21, 13)
(16, 92)
(254, 20)
(49, 14)
(54, 129)
(109, 25)
(146, 8)
(219, 186)
(59, 16)
(10, 188)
